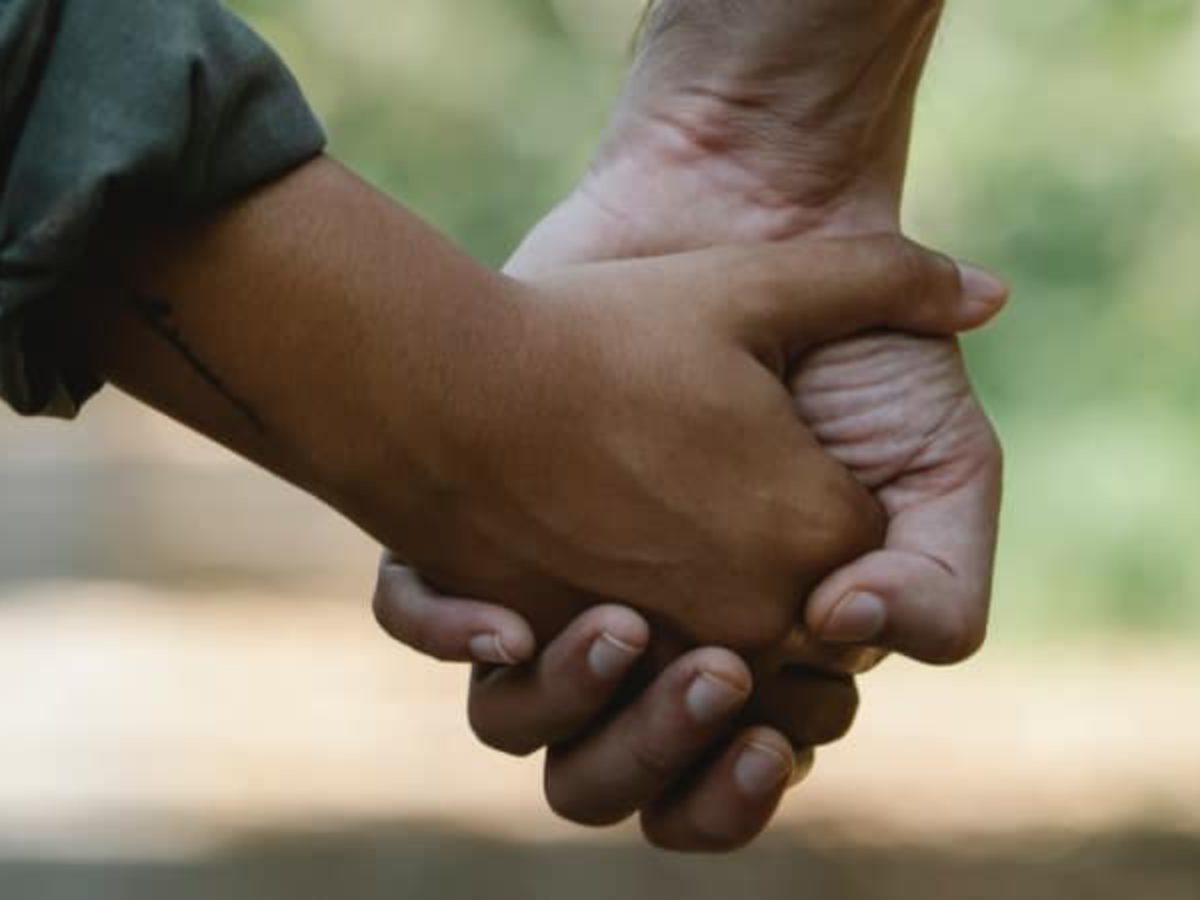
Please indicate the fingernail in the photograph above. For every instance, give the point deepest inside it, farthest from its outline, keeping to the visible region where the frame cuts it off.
(857, 619)
(609, 658)
(981, 288)
(711, 699)
(761, 770)
(489, 648)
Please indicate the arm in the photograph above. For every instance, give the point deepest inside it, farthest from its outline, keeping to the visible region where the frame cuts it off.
(324, 333)
(298, 328)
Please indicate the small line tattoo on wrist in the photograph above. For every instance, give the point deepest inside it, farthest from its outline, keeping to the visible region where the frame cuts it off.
(159, 315)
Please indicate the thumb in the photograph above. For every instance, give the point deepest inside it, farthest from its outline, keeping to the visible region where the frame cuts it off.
(824, 290)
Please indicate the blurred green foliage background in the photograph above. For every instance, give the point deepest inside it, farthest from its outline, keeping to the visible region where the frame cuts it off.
(1057, 142)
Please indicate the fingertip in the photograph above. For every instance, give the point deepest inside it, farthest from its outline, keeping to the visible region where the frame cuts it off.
(723, 664)
(905, 603)
(711, 698)
(732, 799)
(859, 617)
(509, 642)
(984, 294)
(610, 638)
(854, 604)
(622, 625)
(765, 766)
(518, 639)
(717, 684)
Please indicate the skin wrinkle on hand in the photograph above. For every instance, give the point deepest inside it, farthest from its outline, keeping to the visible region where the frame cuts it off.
(630, 167)
(341, 420)
(629, 204)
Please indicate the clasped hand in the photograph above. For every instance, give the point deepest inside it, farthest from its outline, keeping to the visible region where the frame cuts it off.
(796, 125)
(643, 449)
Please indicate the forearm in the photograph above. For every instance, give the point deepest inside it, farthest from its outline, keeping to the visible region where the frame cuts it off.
(300, 328)
(800, 110)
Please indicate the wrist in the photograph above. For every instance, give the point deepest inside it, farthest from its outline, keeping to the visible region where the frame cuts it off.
(628, 205)
(418, 413)
(783, 120)
(318, 330)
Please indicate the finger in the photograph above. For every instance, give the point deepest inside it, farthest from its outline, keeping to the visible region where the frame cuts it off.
(831, 520)
(823, 290)
(810, 707)
(928, 592)
(608, 775)
(731, 801)
(571, 684)
(447, 628)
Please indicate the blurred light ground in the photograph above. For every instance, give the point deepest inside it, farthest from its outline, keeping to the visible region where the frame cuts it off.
(137, 721)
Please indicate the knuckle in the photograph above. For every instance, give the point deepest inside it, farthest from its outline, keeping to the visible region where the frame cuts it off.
(410, 631)
(380, 606)
(696, 837)
(856, 522)
(763, 624)
(926, 277)
(832, 721)
(490, 733)
(722, 832)
(380, 610)
(564, 802)
(665, 839)
(654, 758)
(993, 451)
(844, 525)
(972, 643)
(959, 639)
(768, 608)
(825, 716)
(568, 802)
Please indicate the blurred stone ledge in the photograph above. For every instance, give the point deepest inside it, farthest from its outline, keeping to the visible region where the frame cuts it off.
(126, 495)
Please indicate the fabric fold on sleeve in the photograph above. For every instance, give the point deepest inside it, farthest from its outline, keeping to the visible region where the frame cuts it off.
(110, 107)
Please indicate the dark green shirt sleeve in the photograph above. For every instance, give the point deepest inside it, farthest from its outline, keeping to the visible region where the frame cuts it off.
(110, 108)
